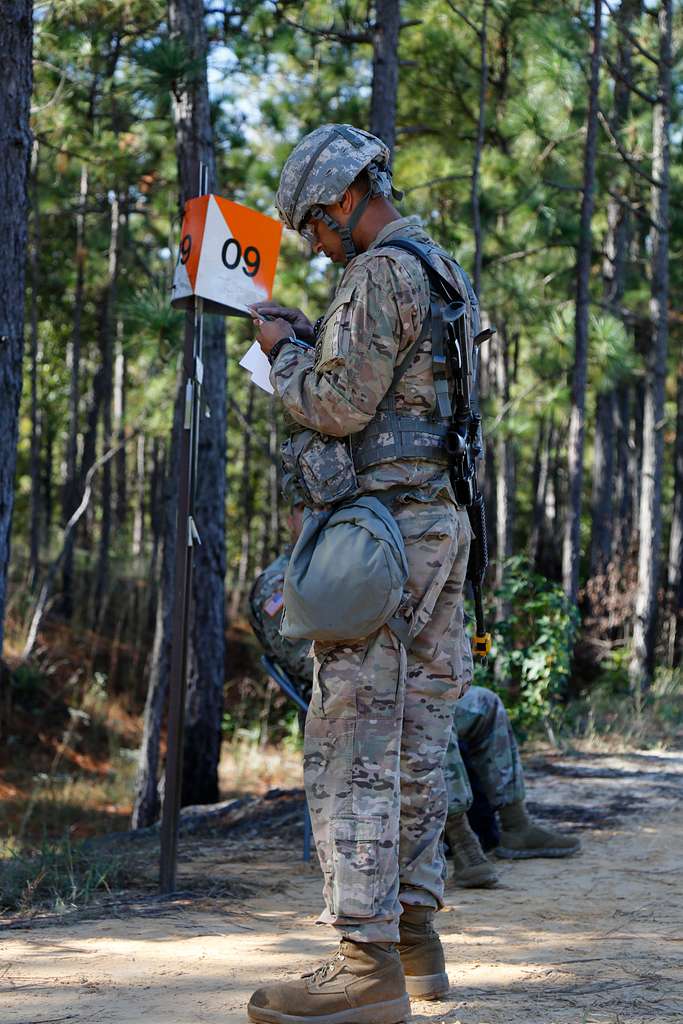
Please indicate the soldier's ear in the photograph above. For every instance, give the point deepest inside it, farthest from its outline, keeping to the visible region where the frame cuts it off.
(348, 201)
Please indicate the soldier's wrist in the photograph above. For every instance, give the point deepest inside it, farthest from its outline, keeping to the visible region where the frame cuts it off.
(277, 348)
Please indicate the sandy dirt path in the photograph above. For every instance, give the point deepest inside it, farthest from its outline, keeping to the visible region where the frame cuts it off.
(594, 940)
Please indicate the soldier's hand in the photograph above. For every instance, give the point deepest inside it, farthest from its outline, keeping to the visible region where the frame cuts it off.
(270, 331)
(303, 328)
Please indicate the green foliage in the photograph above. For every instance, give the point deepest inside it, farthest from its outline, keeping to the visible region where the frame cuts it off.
(169, 64)
(532, 646)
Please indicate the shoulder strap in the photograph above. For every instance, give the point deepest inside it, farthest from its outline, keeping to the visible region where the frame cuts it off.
(437, 282)
(441, 290)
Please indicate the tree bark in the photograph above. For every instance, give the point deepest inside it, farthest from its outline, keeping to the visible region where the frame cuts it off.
(273, 482)
(139, 511)
(206, 666)
(120, 372)
(505, 460)
(603, 473)
(675, 568)
(385, 70)
(247, 510)
(607, 461)
(571, 553)
(73, 361)
(16, 39)
(146, 806)
(539, 483)
(34, 545)
(46, 483)
(621, 503)
(641, 668)
(107, 385)
(475, 197)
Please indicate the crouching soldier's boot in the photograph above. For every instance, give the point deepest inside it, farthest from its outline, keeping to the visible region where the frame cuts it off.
(521, 837)
(362, 983)
(471, 867)
(422, 954)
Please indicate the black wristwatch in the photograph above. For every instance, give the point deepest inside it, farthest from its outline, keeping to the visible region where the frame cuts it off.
(277, 347)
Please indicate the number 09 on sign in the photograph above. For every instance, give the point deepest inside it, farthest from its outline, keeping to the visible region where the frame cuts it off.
(227, 256)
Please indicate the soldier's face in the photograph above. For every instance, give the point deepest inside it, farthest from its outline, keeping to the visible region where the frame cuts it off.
(325, 241)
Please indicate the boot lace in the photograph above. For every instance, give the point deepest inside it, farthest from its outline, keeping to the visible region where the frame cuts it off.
(326, 969)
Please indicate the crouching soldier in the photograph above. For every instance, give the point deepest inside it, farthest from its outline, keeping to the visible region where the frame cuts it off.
(481, 724)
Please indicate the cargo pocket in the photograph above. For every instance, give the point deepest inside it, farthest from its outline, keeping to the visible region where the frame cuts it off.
(326, 470)
(355, 859)
(432, 540)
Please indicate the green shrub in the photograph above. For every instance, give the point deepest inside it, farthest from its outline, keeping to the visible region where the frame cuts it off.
(532, 647)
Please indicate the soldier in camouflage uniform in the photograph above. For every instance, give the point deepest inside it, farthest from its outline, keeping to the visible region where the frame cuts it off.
(380, 717)
(265, 614)
(482, 723)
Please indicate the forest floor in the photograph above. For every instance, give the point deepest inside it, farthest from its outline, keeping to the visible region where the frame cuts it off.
(597, 939)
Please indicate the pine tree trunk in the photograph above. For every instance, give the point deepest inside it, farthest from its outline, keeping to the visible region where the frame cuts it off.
(46, 483)
(571, 551)
(120, 371)
(34, 556)
(147, 805)
(603, 479)
(641, 668)
(247, 511)
(539, 486)
(71, 491)
(385, 70)
(274, 482)
(608, 463)
(16, 40)
(138, 538)
(505, 460)
(475, 198)
(635, 461)
(156, 485)
(107, 384)
(621, 502)
(675, 568)
(206, 667)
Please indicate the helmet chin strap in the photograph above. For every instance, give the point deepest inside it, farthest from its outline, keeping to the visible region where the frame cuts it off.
(344, 230)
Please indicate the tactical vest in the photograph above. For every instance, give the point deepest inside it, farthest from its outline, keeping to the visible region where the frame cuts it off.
(390, 436)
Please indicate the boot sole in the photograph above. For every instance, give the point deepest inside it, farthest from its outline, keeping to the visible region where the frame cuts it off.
(395, 1011)
(506, 853)
(428, 986)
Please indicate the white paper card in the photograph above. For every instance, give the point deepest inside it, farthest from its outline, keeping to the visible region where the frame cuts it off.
(258, 366)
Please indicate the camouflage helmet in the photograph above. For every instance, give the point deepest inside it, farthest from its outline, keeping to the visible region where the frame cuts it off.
(323, 165)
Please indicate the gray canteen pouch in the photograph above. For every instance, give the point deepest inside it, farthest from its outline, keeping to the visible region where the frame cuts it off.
(346, 574)
(319, 468)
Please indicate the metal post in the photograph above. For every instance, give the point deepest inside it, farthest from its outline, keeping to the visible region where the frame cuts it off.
(186, 537)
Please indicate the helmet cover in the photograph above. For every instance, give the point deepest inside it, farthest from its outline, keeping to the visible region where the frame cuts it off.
(321, 167)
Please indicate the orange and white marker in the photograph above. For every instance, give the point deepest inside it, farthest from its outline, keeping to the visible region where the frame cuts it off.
(227, 256)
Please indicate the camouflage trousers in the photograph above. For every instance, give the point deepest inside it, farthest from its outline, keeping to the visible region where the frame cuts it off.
(376, 737)
(482, 722)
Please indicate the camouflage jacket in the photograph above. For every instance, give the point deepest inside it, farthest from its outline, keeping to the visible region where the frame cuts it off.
(265, 614)
(377, 312)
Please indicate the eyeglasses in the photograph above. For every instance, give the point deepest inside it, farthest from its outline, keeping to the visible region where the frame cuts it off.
(307, 229)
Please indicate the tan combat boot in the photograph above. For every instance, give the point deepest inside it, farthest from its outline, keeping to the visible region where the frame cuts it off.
(422, 954)
(362, 983)
(471, 867)
(521, 838)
